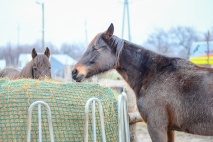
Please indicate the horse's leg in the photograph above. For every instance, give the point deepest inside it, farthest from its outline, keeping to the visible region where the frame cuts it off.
(157, 123)
(171, 135)
(157, 134)
(161, 135)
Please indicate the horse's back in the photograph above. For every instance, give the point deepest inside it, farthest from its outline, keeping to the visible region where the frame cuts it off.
(9, 73)
(193, 79)
(188, 81)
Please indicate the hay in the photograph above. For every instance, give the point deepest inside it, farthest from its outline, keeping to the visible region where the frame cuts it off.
(66, 101)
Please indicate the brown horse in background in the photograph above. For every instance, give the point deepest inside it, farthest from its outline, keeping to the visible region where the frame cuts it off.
(172, 93)
(38, 68)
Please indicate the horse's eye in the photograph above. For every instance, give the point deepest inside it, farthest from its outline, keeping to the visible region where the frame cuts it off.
(34, 68)
(49, 67)
(95, 47)
(91, 62)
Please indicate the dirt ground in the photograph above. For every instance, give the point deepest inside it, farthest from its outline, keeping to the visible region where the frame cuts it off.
(143, 136)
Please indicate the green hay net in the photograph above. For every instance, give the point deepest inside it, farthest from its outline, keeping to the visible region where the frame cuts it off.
(67, 103)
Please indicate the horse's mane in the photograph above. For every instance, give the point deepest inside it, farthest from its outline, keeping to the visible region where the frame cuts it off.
(119, 44)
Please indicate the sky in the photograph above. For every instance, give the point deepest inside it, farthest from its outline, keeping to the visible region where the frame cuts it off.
(78, 21)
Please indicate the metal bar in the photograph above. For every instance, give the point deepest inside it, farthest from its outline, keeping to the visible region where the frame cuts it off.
(123, 121)
(87, 119)
(126, 120)
(94, 121)
(39, 123)
(29, 117)
(101, 113)
(120, 118)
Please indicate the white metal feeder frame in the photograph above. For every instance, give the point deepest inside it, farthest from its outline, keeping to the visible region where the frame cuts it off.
(123, 121)
(93, 101)
(29, 117)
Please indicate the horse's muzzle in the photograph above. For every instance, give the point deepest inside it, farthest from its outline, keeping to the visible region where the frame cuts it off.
(78, 77)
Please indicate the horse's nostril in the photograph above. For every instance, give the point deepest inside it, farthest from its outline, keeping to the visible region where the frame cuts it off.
(74, 72)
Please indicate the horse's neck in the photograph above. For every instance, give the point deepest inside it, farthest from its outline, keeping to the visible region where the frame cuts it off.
(136, 63)
(16, 76)
(26, 72)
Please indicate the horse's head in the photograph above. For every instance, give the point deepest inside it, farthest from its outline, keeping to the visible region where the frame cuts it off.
(41, 65)
(100, 56)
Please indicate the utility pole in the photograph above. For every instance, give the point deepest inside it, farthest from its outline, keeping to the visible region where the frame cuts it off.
(207, 37)
(18, 31)
(86, 34)
(42, 7)
(43, 42)
(126, 13)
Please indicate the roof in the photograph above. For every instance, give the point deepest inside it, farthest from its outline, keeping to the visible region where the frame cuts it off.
(63, 59)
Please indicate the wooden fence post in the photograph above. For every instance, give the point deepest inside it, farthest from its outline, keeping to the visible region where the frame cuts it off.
(131, 108)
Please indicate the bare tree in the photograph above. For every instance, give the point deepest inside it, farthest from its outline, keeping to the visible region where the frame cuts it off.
(159, 40)
(11, 53)
(8, 53)
(174, 38)
(73, 50)
(211, 34)
(183, 36)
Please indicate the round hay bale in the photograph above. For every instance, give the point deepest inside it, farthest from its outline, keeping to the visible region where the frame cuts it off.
(67, 103)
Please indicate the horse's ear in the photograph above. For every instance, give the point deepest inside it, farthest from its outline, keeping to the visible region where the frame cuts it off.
(34, 53)
(47, 52)
(109, 32)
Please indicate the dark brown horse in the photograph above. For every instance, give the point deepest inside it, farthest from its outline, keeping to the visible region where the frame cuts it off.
(172, 93)
(38, 68)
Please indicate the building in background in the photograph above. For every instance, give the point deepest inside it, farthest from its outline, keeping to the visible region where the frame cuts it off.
(201, 53)
(61, 66)
(2, 64)
(23, 59)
